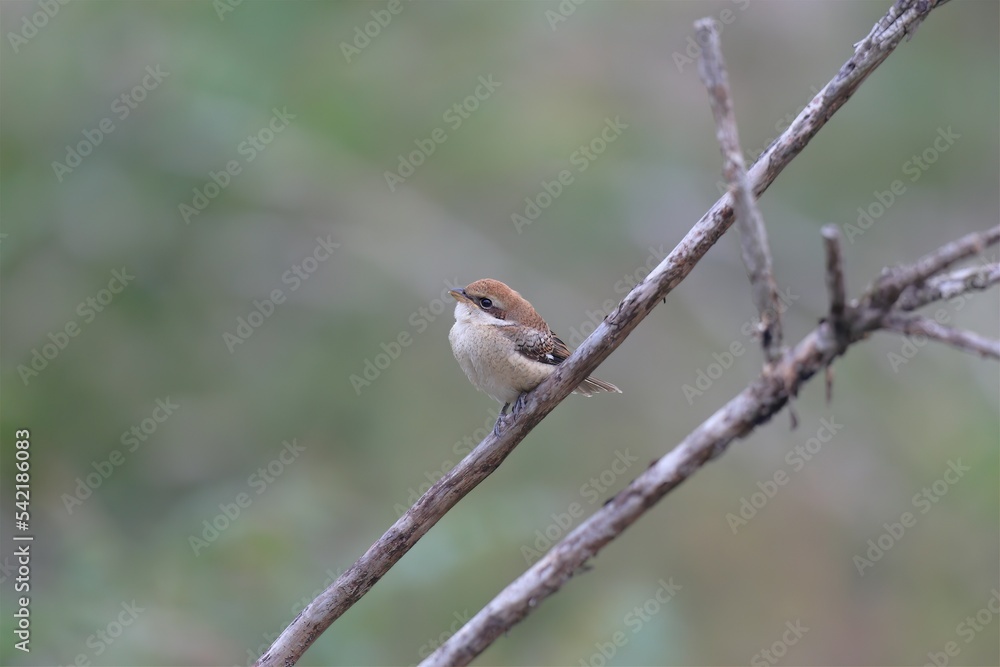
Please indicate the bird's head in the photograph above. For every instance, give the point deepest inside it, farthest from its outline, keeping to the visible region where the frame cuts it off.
(489, 300)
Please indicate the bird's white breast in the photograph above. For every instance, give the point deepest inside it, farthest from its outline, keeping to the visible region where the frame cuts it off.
(489, 358)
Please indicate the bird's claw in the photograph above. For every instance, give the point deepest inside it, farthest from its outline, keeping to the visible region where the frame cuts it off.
(503, 421)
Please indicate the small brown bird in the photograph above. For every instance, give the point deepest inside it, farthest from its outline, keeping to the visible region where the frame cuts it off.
(504, 346)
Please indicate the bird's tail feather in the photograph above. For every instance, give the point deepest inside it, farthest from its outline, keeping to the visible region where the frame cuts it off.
(592, 386)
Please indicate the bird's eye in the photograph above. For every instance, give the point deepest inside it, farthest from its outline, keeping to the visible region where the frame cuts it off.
(485, 303)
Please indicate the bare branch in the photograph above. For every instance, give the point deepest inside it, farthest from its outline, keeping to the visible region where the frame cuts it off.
(835, 277)
(372, 566)
(753, 235)
(918, 325)
(949, 285)
(755, 405)
(890, 284)
(834, 271)
(835, 285)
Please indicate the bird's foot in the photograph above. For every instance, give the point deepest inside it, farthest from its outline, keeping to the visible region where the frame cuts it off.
(503, 421)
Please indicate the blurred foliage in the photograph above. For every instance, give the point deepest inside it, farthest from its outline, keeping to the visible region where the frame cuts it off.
(325, 112)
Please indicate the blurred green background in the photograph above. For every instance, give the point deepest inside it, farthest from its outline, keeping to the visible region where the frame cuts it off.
(309, 114)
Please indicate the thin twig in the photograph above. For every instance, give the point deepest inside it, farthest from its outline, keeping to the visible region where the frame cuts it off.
(749, 221)
(837, 289)
(372, 566)
(835, 276)
(755, 405)
(918, 325)
(793, 415)
(949, 285)
(890, 284)
(885, 292)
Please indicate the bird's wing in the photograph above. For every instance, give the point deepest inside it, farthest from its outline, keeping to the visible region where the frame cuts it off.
(548, 348)
(559, 350)
(537, 345)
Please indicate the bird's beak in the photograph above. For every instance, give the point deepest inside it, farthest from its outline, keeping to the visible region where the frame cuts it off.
(459, 295)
